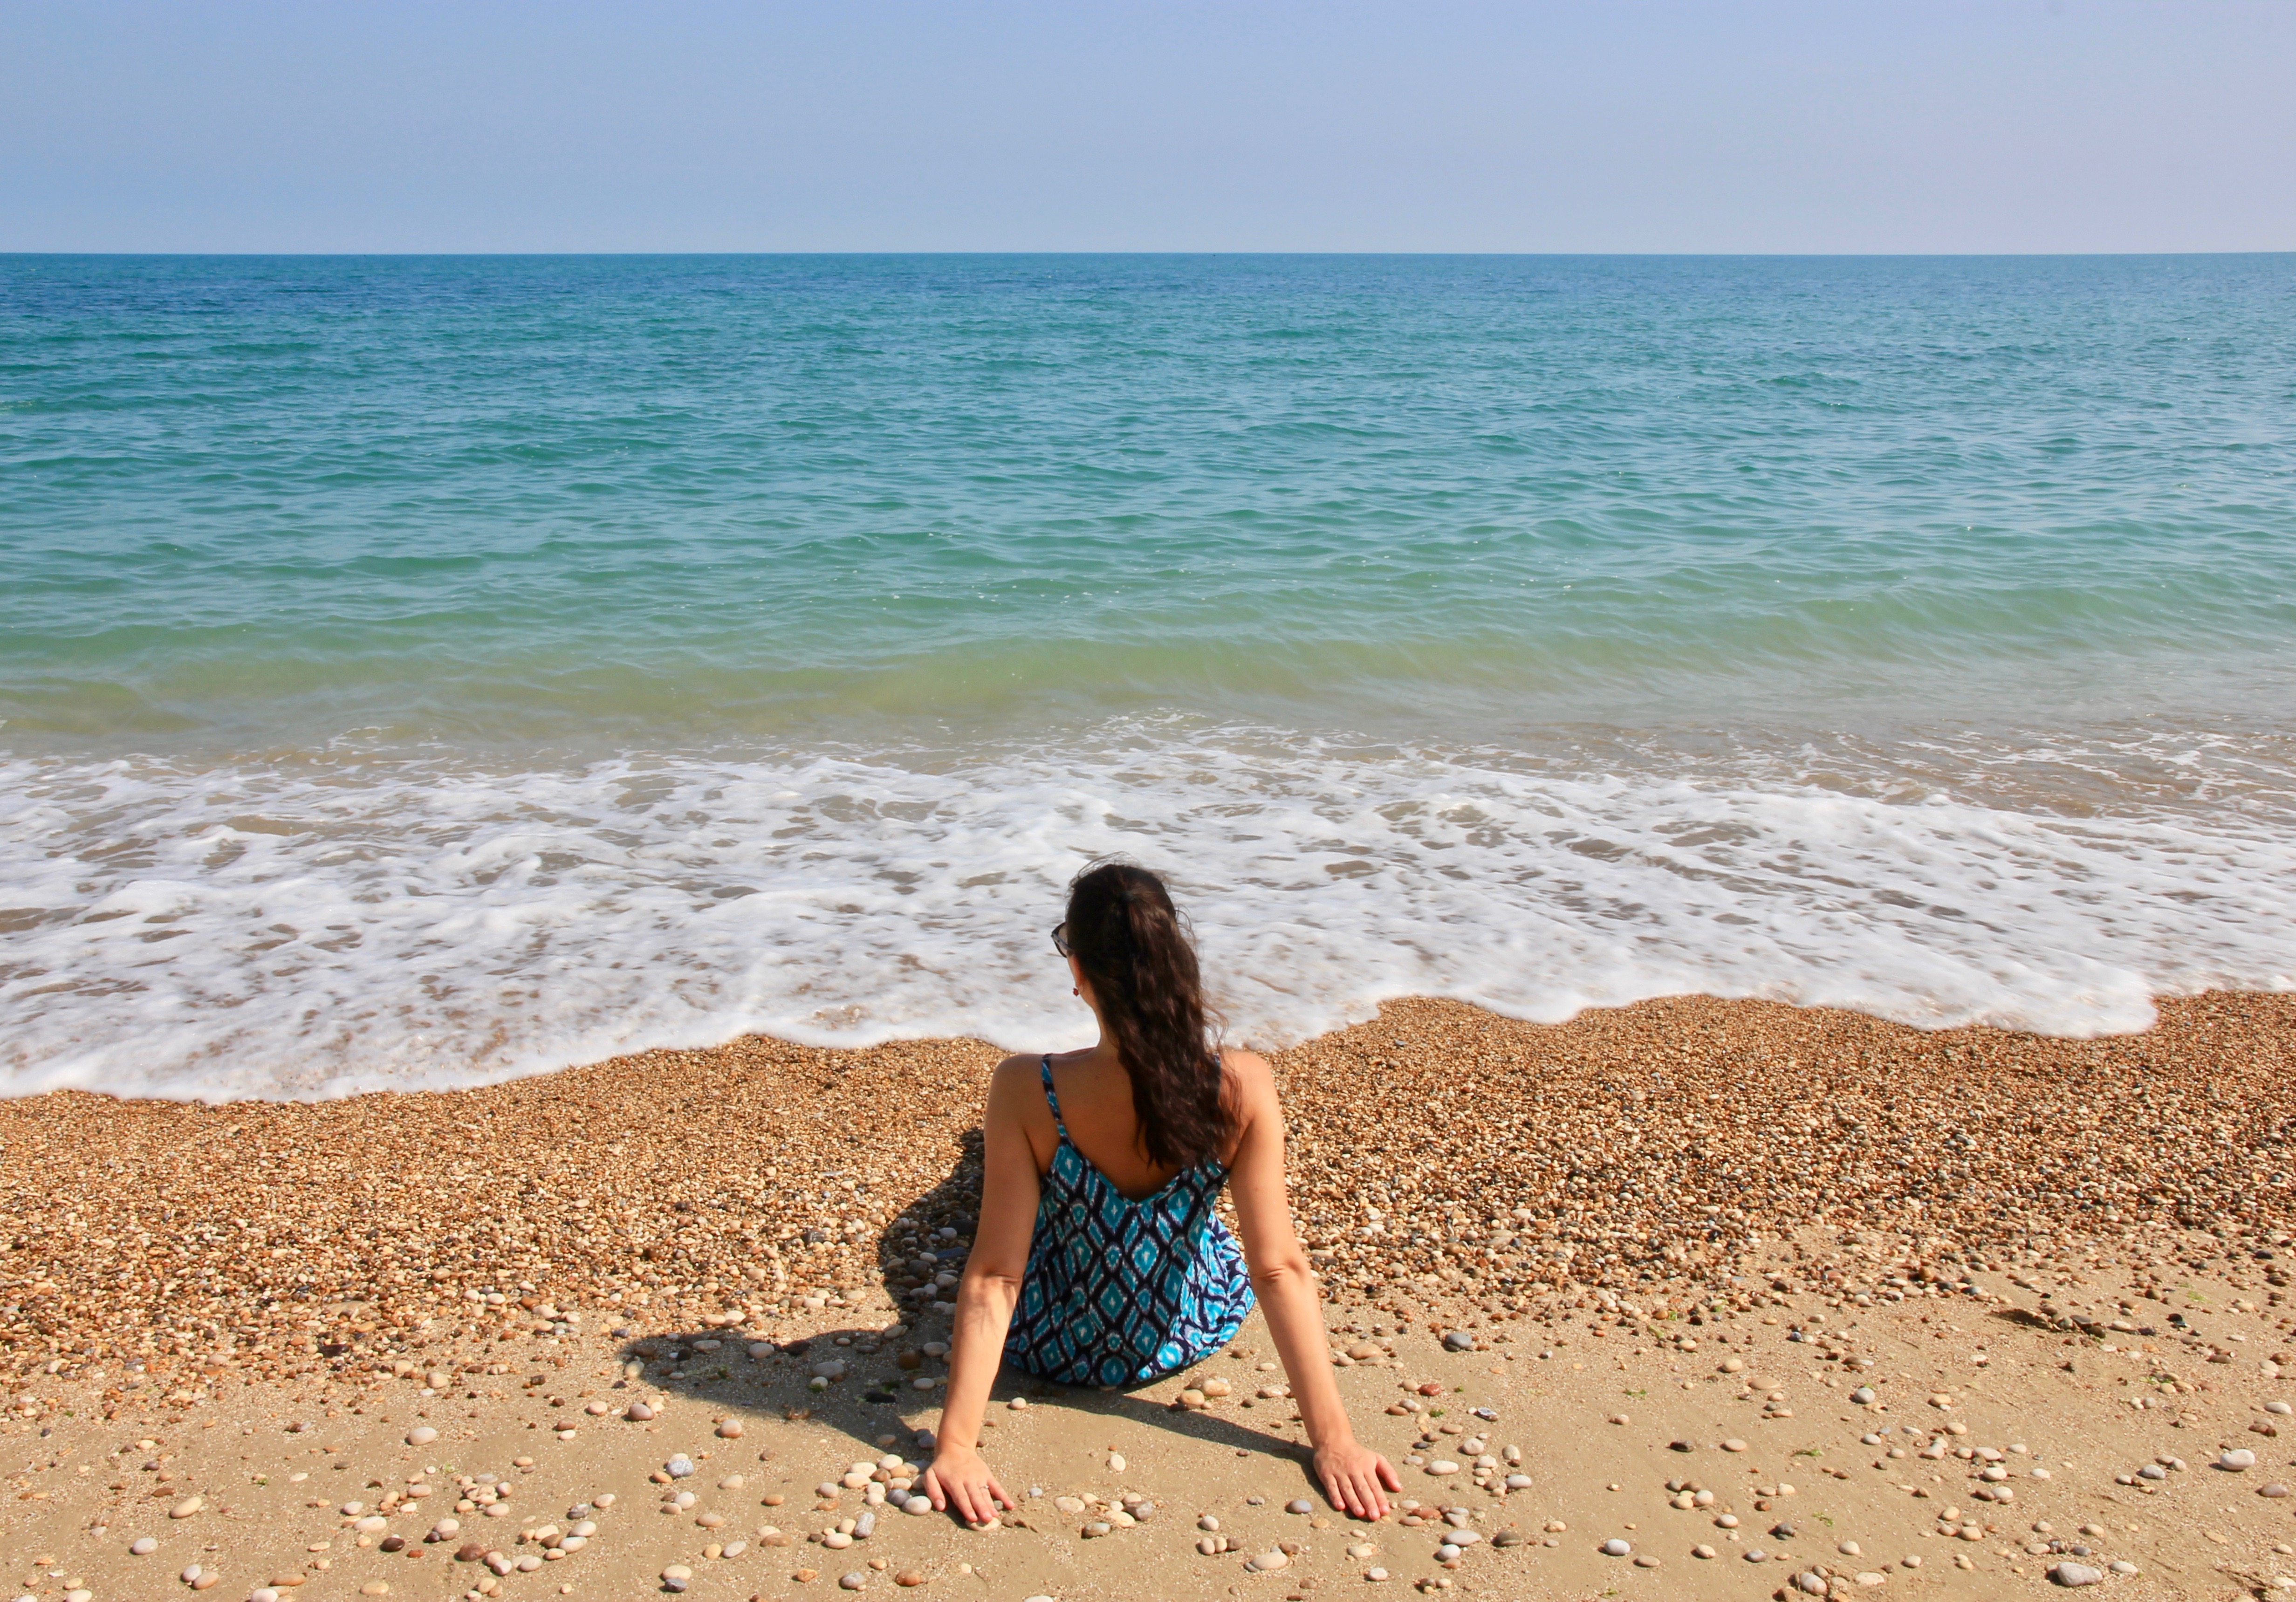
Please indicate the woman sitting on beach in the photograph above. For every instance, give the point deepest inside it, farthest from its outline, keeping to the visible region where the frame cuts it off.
(1098, 1260)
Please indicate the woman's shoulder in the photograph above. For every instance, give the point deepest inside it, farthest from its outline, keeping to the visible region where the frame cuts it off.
(1235, 1059)
(1016, 1094)
(1023, 1069)
(1250, 1080)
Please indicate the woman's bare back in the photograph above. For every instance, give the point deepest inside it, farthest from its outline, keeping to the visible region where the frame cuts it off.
(1097, 1107)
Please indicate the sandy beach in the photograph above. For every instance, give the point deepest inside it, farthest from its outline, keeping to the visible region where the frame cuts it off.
(1777, 1301)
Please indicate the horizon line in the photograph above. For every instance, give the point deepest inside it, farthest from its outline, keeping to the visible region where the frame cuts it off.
(1410, 254)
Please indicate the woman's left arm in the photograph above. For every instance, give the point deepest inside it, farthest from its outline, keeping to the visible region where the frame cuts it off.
(959, 1475)
(1355, 1477)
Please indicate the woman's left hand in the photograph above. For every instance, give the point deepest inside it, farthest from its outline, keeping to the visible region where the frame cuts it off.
(1356, 1478)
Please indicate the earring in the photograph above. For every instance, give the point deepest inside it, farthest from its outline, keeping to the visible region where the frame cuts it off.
(1074, 991)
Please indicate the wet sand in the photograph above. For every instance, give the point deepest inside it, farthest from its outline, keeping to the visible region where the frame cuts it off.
(2073, 1248)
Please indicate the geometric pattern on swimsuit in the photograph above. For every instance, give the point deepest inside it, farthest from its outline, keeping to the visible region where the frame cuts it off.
(1119, 1292)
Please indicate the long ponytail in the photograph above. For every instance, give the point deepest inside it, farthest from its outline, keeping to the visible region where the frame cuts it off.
(1127, 937)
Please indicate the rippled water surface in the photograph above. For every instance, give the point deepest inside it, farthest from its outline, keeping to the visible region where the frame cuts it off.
(423, 670)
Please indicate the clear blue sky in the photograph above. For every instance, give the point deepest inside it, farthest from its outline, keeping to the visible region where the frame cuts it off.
(1109, 125)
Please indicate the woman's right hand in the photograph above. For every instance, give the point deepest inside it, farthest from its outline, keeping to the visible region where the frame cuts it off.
(959, 1478)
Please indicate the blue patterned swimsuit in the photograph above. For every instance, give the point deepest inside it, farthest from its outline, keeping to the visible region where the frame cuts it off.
(1117, 1292)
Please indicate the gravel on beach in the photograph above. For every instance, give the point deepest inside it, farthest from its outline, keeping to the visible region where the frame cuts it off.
(1664, 1155)
(1723, 1299)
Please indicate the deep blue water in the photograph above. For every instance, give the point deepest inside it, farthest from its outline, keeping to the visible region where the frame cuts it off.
(431, 668)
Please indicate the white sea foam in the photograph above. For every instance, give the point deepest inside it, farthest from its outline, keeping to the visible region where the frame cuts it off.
(317, 927)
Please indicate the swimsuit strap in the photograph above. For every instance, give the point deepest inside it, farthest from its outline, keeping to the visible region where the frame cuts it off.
(1051, 1098)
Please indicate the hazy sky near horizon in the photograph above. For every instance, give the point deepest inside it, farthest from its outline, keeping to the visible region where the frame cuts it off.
(1109, 125)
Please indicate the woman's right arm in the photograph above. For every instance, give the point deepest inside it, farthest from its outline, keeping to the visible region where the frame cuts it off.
(986, 1296)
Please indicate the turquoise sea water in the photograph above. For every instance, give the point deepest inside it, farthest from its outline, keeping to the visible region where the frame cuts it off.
(418, 670)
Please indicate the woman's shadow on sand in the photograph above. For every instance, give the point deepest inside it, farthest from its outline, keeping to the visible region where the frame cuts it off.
(855, 1381)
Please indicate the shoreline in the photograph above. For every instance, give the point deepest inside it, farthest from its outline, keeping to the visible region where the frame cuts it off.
(347, 1345)
(1651, 1144)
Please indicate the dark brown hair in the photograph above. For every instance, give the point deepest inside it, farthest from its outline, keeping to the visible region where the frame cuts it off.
(1127, 937)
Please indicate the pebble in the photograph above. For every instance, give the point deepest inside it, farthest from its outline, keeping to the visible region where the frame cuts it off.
(1702, 1550)
(1299, 1504)
(1458, 1340)
(1266, 1563)
(637, 1412)
(1863, 1395)
(1375, 1575)
(678, 1467)
(1734, 1444)
(1442, 1466)
(1115, 1462)
(143, 1546)
(2076, 1574)
(421, 1434)
(853, 1579)
(1617, 1547)
(187, 1507)
(2239, 1460)
(730, 1429)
